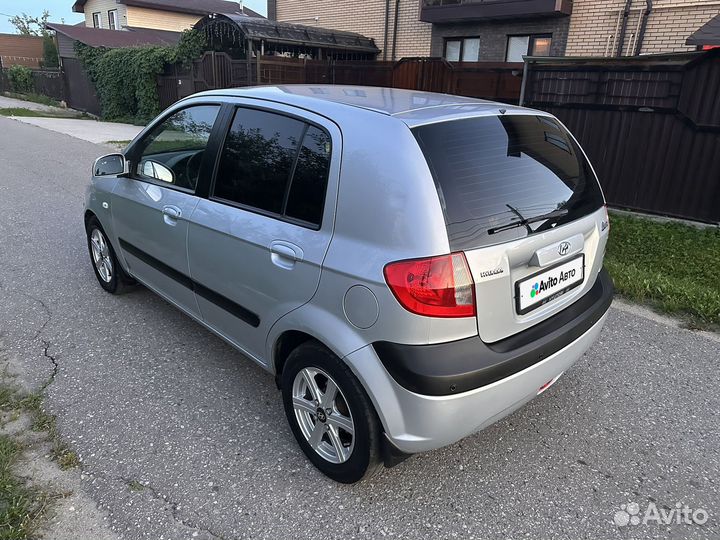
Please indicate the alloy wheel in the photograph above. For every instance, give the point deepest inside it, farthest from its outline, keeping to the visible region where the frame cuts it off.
(101, 255)
(323, 415)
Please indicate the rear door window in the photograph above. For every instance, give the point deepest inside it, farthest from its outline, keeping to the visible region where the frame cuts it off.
(257, 159)
(306, 196)
(275, 164)
(492, 172)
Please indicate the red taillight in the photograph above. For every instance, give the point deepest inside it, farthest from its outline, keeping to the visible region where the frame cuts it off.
(434, 287)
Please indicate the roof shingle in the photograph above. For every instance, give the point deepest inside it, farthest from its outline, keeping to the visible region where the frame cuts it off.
(115, 39)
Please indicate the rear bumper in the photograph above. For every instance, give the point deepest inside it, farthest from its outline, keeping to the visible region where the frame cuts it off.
(467, 364)
(416, 422)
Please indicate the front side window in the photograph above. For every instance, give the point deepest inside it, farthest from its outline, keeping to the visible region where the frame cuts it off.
(112, 19)
(172, 152)
(97, 21)
(530, 45)
(275, 164)
(462, 50)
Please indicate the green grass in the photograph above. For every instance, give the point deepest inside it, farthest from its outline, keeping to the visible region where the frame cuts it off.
(35, 98)
(20, 506)
(19, 111)
(674, 268)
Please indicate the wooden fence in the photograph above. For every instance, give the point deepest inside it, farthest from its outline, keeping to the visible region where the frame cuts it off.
(650, 125)
(47, 82)
(498, 81)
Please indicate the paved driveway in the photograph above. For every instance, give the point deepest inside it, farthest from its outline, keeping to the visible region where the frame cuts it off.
(146, 395)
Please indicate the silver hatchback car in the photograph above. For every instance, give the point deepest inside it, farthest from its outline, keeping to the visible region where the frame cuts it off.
(410, 266)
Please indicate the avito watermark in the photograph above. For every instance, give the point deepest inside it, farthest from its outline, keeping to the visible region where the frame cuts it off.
(631, 514)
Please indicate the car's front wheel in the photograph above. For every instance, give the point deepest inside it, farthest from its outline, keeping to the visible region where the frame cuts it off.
(107, 269)
(330, 414)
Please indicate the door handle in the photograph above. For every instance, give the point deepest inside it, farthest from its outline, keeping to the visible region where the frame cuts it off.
(284, 254)
(171, 214)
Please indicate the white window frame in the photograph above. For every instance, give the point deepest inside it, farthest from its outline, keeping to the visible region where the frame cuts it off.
(97, 23)
(463, 44)
(113, 19)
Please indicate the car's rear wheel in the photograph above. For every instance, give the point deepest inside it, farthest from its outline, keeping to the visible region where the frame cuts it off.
(107, 269)
(330, 414)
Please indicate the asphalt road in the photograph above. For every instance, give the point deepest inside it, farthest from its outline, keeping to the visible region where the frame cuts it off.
(144, 394)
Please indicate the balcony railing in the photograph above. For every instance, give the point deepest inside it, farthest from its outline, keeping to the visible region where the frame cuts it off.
(447, 11)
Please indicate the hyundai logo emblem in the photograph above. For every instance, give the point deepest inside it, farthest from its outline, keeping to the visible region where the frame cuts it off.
(563, 248)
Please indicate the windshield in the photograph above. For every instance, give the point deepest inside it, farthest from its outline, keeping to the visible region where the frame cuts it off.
(493, 172)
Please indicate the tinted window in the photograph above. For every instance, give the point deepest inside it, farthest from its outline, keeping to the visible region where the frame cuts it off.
(493, 171)
(174, 149)
(257, 159)
(307, 191)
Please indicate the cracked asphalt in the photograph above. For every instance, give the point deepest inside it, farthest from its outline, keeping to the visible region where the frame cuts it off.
(181, 437)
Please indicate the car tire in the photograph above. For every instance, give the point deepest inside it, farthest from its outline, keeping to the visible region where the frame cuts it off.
(105, 263)
(341, 438)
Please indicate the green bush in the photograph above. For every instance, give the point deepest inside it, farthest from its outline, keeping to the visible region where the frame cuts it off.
(126, 79)
(21, 79)
(50, 52)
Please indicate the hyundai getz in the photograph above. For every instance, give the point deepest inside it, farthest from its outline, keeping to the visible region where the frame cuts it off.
(411, 267)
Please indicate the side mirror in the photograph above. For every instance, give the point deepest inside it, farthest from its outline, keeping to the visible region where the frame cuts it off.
(111, 165)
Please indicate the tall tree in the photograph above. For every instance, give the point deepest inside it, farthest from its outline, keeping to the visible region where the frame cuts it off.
(31, 26)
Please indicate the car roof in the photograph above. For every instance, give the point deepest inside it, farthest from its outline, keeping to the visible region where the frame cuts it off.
(411, 106)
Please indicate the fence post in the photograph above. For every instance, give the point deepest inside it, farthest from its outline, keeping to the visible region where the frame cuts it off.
(524, 81)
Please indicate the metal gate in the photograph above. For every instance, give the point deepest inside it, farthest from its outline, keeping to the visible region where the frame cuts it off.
(79, 91)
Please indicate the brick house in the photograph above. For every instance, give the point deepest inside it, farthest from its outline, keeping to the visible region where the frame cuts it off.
(505, 30)
(596, 27)
(459, 30)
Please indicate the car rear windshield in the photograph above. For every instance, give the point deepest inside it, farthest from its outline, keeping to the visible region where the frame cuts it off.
(492, 173)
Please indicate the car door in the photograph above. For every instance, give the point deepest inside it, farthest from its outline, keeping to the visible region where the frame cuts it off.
(257, 243)
(150, 208)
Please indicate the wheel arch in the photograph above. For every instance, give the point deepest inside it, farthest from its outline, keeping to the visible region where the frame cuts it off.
(286, 343)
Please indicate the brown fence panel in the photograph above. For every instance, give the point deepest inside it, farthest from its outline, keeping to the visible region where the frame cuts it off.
(367, 73)
(79, 91)
(487, 80)
(651, 127)
(49, 83)
(277, 70)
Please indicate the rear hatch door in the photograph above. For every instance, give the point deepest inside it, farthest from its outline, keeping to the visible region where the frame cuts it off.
(522, 202)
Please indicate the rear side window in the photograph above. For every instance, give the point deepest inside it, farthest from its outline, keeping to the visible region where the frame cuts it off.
(276, 164)
(307, 192)
(492, 172)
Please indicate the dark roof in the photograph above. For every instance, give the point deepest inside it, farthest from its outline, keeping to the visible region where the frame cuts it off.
(294, 34)
(116, 39)
(195, 7)
(707, 34)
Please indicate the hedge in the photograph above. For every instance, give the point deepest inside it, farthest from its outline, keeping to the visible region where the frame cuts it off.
(126, 79)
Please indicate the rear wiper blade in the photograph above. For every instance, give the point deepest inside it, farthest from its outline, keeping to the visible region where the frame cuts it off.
(524, 222)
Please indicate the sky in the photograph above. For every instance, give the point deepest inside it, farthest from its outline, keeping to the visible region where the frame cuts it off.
(62, 9)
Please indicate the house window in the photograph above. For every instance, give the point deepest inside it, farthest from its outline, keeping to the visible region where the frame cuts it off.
(112, 19)
(531, 45)
(462, 49)
(97, 21)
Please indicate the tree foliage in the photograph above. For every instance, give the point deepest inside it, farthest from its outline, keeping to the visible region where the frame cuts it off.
(27, 25)
(50, 52)
(126, 79)
(21, 79)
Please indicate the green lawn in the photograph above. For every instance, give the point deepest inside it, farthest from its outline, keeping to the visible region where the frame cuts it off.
(674, 268)
(20, 111)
